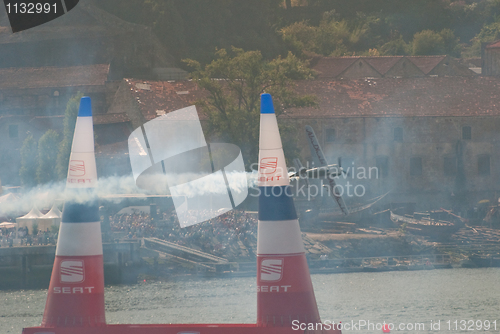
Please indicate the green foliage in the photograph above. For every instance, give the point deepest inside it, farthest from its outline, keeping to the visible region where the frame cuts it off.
(395, 47)
(29, 154)
(428, 42)
(451, 43)
(299, 37)
(334, 37)
(489, 33)
(193, 28)
(233, 104)
(69, 128)
(47, 155)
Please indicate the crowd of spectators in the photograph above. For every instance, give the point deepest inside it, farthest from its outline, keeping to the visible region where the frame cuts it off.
(24, 238)
(231, 235)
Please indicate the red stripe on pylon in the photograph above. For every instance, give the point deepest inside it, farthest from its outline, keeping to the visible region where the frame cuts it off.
(285, 293)
(76, 293)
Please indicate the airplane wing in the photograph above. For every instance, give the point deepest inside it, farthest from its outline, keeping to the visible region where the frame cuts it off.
(320, 161)
(299, 170)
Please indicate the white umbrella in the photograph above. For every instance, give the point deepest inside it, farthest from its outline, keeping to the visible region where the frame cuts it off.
(7, 225)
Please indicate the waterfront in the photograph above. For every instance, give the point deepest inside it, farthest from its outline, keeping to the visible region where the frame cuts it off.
(397, 297)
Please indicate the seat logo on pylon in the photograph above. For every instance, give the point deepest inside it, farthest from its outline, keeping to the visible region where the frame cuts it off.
(271, 270)
(76, 168)
(268, 165)
(72, 271)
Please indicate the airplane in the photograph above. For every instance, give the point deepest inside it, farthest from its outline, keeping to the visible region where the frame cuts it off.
(324, 170)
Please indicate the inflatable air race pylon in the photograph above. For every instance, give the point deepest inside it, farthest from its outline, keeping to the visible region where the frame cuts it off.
(285, 294)
(76, 292)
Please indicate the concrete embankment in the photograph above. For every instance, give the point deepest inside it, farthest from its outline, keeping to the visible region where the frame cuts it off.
(31, 267)
(382, 250)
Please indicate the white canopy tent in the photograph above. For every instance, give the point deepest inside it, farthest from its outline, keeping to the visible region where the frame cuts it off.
(29, 219)
(53, 217)
(8, 198)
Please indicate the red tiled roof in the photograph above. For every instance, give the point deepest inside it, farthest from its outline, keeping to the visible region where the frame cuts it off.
(42, 77)
(153, 96)
(493, 45)
(405, 97)
(48, 122)
(381, 97)
(383, 64)
(118, 149)
(331, 67)
(426, 63)
(15, 118)
(111, 118)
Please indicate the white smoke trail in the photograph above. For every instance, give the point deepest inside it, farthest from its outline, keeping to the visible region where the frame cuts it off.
(114, 187)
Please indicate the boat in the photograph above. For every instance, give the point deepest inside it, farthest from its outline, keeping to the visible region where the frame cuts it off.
(425, 226)
(356, 213)
(285, 297)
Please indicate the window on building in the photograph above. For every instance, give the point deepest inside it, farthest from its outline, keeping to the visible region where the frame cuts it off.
(416, 166)
(330, 135)
(13, 131)
(483, 164)
(466, 133)
(382, 164)
(398, 134)
(450, 166)
(55, 98)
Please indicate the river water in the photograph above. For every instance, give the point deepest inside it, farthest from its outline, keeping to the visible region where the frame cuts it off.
(405, 299)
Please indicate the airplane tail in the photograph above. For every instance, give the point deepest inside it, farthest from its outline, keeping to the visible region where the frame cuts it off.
(320, 161)
(76, 292)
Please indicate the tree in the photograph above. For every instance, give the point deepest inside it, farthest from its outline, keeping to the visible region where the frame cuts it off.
(489, 33)
(69, 128)
(333, 37)
(451, 45)
(395, 47)
(47, 156)
(29, 154)
(194, 28)
(428, 42)
(233, 103)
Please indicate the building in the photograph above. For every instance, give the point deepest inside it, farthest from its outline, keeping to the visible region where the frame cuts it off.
(490, 58)
(33, 100)
(431, 139)
(428, 139)
(427, 125)
(86, 35)
(86, 50)
(388, 67)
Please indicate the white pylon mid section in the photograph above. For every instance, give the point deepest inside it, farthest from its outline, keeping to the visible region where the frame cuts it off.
(285, 295)
(76, 292)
